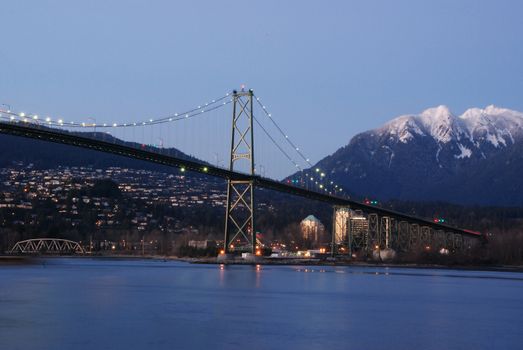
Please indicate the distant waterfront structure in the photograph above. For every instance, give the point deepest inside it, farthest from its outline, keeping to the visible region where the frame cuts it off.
(312, 229)
(207, 244)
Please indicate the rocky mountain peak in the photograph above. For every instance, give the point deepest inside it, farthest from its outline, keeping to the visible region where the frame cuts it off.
(436, 155)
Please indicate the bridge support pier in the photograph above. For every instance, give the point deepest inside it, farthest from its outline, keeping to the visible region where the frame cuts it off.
(403, 236)
(439, 240)
(373, 232)
(385, 237)
(425, 236)
(414, 236)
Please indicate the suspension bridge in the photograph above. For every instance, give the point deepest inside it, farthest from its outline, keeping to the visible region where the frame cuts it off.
(157, 140)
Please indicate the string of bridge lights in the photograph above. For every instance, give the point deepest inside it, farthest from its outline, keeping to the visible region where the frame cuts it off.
(60, 122)
(315, 172)
(317, 176)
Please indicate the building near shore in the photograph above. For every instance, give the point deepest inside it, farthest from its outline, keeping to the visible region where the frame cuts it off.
(312, 229)
(202, 244)
(346, 221)
(359, 225)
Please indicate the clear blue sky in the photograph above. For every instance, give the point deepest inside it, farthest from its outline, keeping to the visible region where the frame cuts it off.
(326, 69)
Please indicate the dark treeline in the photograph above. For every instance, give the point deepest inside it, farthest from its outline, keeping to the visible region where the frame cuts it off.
(277, 218)
(483, 219)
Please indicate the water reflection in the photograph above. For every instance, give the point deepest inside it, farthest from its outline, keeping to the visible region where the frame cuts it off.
(258, 275)
(229, 273)
(221, 275)
(73, 303)
(417, 272)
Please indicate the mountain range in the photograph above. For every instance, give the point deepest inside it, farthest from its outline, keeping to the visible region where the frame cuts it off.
(44, 154)
(473, 158)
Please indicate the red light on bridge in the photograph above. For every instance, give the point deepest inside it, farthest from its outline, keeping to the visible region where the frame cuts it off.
(473, 232)
(370, 202)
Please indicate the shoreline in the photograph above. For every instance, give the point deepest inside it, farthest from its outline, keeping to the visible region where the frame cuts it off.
(317, 262)
(6, 260)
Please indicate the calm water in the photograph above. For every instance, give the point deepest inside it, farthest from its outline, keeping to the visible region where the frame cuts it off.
(107, 304)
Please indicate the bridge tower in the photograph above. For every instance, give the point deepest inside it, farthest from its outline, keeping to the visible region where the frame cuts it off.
(239, 217)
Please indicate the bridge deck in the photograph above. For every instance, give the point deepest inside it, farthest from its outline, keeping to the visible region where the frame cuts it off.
(74, 139)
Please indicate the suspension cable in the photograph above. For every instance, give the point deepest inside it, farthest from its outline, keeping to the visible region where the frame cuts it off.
(277, 144)
(334, 187)
(292, 144)
(35, 119)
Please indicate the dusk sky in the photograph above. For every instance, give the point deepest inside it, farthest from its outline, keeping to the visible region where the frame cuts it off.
(326, 70)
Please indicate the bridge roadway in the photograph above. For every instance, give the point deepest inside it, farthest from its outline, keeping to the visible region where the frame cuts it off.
(76, 139)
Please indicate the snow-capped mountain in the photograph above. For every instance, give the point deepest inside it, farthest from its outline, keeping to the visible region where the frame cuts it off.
(468, 132)
(474, 158)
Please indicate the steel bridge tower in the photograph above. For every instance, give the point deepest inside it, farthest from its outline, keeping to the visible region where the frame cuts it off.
(239, 217)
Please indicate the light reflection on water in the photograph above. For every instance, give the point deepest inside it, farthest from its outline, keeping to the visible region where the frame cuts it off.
(135, 304)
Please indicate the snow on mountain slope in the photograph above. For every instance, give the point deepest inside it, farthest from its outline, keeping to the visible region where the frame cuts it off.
(498, 126)
(436, 155)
